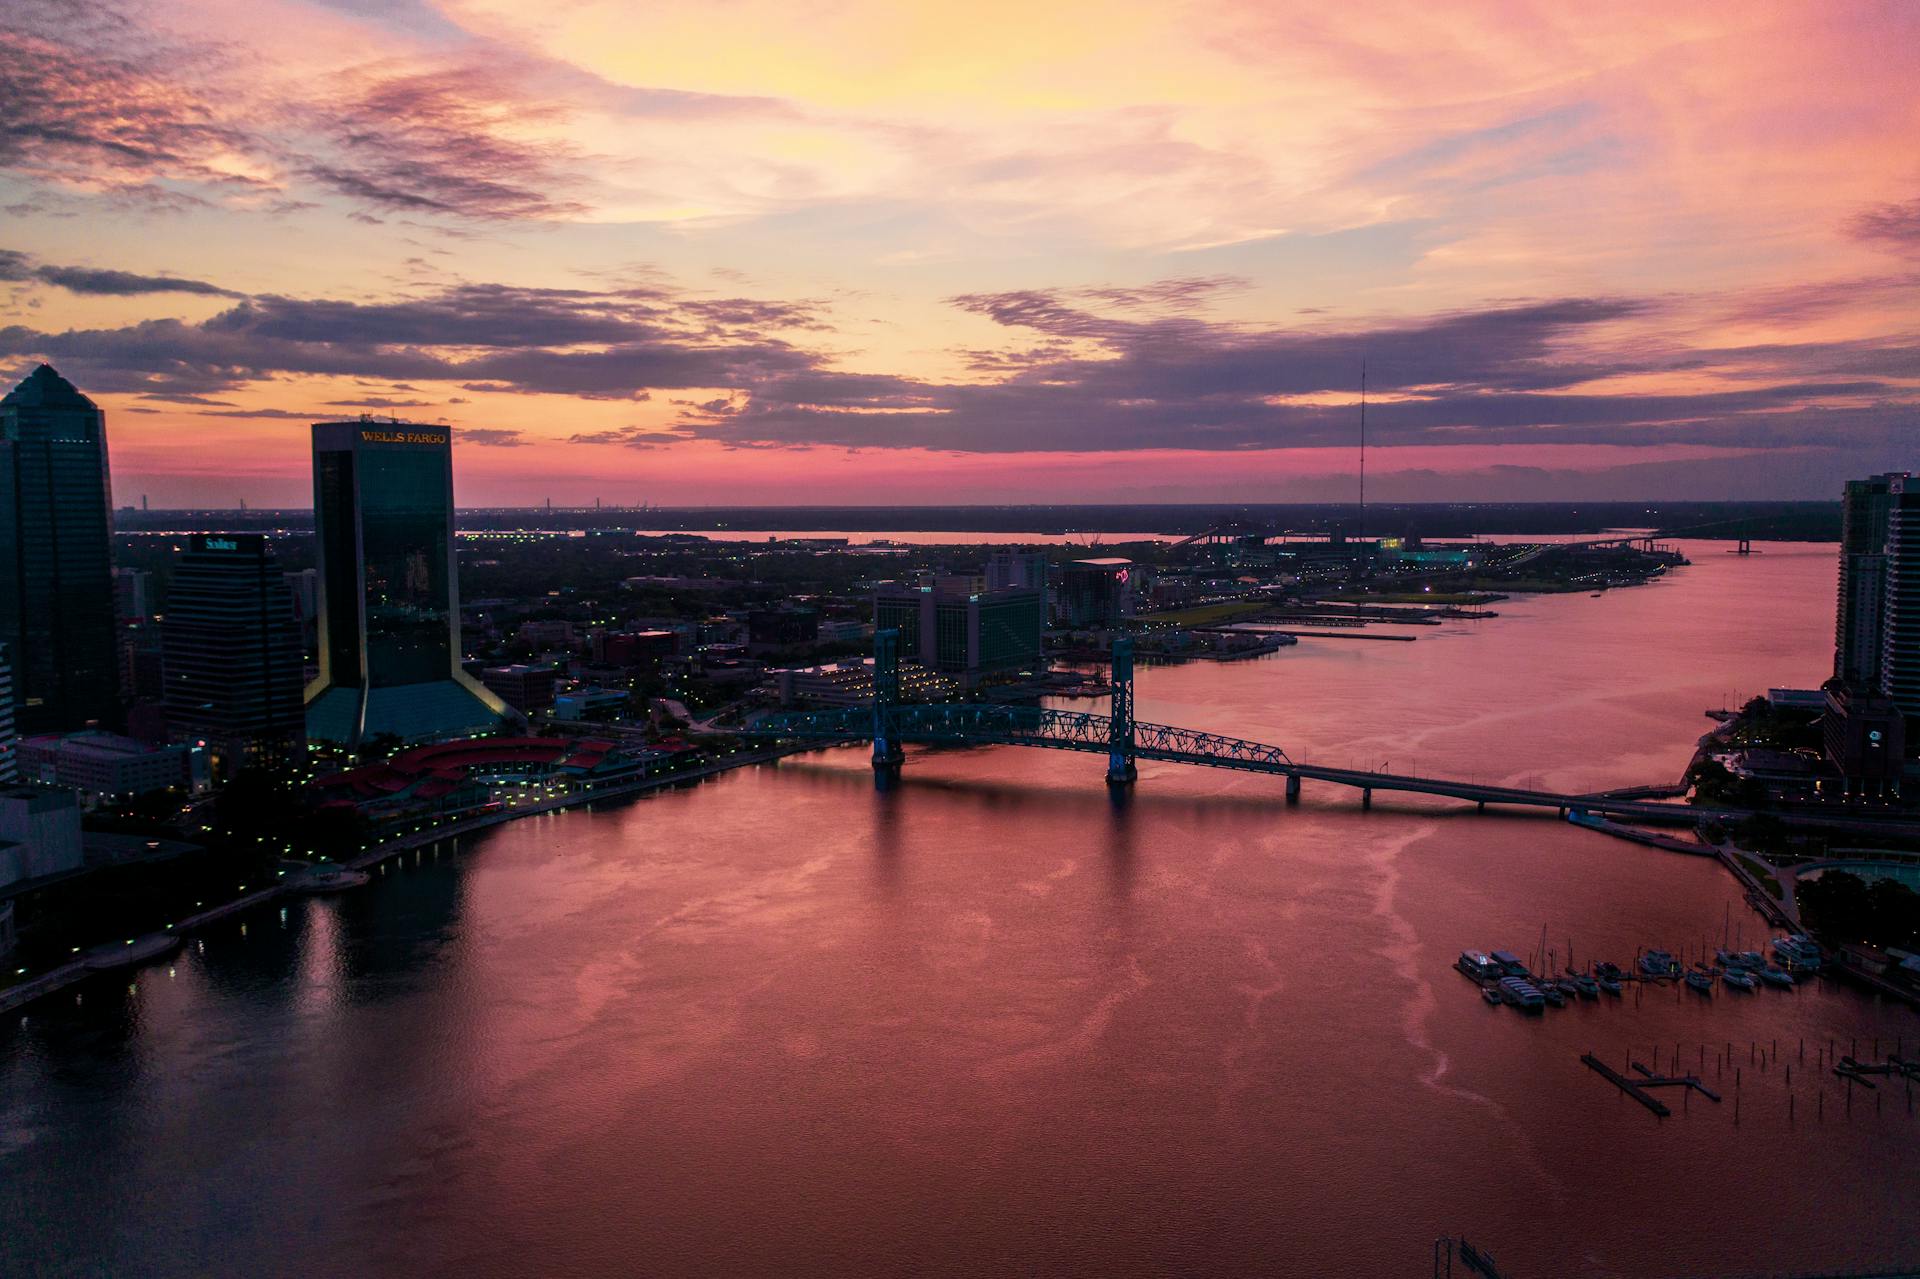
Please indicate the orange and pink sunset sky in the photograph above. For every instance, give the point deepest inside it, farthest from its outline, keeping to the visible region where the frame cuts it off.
(784, 251)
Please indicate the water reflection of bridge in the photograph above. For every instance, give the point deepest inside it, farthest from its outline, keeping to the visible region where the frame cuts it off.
(889, 725)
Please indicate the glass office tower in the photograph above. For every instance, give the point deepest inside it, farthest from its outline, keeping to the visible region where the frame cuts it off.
(56, 556)
(231, 656)
(389, 596)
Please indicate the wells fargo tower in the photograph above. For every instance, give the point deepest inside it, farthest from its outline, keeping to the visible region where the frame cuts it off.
(389, 595)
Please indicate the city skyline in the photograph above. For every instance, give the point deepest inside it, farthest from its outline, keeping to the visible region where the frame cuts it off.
(1125, 256)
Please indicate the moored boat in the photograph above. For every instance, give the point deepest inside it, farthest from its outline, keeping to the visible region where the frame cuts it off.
(1658, 963)
(1776, 977)
(1490, 993)
(1738, 978)
(1522, 994)
(1700, 981)
(1479, 966)
(1510, 963)
(1609, 984)
(1797, 951)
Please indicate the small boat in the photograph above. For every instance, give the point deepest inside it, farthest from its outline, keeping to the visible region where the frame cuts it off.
(1490, 993)
(1776, 977)
(1607, 970)
(1738, 978)
(1551, 993)
(1658, 963)
(1700, 981)
(1609, 984)
(1584, 986)
(1739, 958)
(1797, 951)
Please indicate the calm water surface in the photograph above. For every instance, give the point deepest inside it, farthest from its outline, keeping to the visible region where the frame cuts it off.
(989, 1023)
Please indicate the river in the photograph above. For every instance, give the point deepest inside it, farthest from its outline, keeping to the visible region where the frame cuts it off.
(991, 1023)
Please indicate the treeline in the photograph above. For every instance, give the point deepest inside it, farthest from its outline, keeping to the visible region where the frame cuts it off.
(1844, 907)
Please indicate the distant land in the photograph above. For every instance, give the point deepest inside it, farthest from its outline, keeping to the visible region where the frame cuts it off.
(1761, 521)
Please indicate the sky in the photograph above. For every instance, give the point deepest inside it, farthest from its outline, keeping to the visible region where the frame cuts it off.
(800, 251)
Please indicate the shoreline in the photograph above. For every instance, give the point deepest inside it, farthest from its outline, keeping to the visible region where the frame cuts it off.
(78, 969)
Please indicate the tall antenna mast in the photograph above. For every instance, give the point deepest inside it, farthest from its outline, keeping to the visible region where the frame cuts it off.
(1363, 449)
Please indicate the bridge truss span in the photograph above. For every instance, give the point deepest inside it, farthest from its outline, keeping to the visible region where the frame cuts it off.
(962, 724)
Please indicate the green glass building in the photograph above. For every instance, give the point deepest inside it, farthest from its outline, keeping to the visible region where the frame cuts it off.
(389, 593)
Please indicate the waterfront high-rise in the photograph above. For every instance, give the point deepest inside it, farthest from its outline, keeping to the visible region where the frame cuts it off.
(1857, 641)
(970, 635)
(1900, 611)
(230, 654)
(9, 762)
(56, 555)
(389, 594)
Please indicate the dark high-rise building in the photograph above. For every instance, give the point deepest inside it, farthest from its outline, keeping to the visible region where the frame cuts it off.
(1857, 643)
(9, 746)
(1098, 593)
(971, 635)
(1900, 613)
(231, 660)
(56, 555)
(389, 595)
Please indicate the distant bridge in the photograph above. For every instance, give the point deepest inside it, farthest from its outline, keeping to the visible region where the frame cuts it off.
(1125, 741)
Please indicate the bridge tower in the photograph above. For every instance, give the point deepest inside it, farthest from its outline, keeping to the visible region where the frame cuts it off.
(1120, 768)
(887, 753)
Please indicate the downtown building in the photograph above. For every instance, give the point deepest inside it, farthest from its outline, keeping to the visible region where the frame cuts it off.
(9, 742)
(1873, 700)
(57, 590)
(956, 628)
(389, 597)
(1099, 594)
(231, 657)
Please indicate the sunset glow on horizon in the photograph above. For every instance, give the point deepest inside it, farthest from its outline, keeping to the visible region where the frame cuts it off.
(750, 252)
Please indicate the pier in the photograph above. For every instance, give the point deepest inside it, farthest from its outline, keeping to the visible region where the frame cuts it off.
(1637, 1088)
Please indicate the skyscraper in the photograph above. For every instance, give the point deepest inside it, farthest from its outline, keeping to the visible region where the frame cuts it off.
(389, 596)
(1857, 642)
(231, 656)
(9, 748)
(1900, 613)
(56, 555)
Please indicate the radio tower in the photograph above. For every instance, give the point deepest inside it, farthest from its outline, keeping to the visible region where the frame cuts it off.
(1362, 529)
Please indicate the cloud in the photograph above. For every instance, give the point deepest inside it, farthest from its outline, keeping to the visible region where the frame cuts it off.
(493, 437)
(77, 279)
(452, 140)
(633, 437)
(619, 344)
(1895, 225)
(1114, 370)
(17, 266)
(84, 109)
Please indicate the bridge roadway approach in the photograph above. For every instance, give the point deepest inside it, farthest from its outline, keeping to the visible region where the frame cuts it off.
(976, 724)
